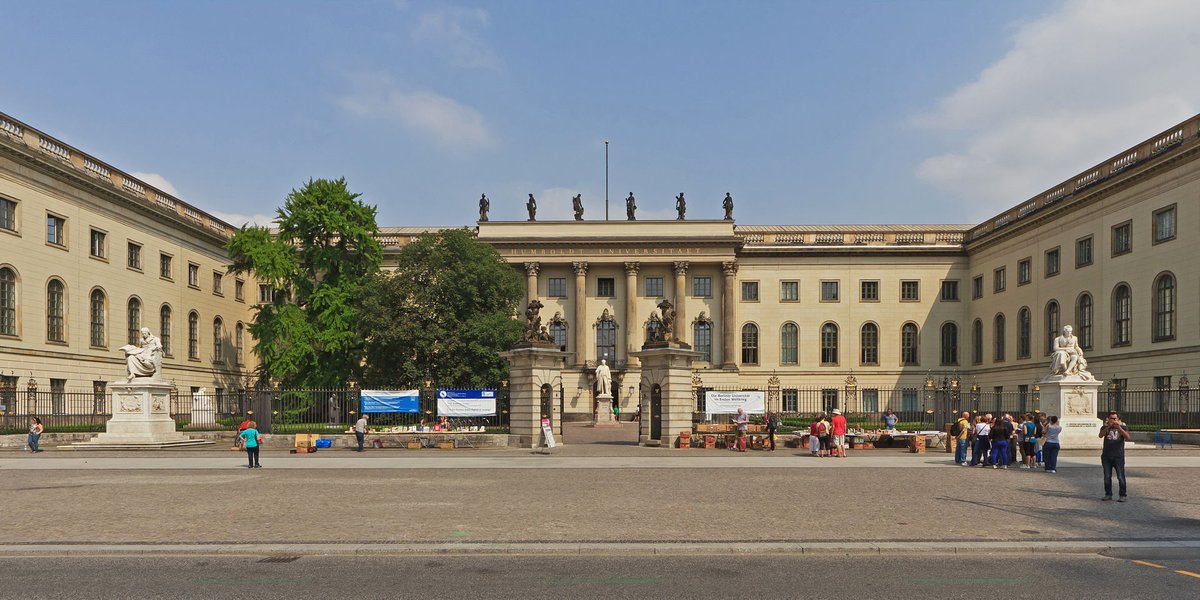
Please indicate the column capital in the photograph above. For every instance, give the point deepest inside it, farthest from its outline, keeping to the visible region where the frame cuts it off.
(632, 268)
(532, 268)
(730, 268)
(681, 267)
(581, 268)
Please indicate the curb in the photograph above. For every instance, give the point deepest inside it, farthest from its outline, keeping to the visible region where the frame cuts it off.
(589, 548)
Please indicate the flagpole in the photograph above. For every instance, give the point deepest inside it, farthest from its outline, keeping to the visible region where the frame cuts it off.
(605, 180)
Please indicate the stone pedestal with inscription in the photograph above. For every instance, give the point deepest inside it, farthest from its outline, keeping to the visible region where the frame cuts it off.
(141, 419)
(1073, 399)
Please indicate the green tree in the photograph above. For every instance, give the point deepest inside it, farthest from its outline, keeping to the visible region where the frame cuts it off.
(445, 312)
(317, 265)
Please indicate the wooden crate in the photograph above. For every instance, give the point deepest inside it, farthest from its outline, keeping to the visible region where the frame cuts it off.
(446, 445)
(414, 445)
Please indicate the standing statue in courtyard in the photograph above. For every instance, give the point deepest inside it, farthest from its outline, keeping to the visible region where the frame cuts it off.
(630, 207)
(728, 206)
(484, 206)
(680, 205)
(577, 205)
(531, 206)
(603, 379)
(144, 359)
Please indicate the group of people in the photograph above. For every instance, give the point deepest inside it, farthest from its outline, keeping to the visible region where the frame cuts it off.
(999, 441)
(827, 435)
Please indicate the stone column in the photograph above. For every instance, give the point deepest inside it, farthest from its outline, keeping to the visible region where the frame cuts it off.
(531, 281)
(729, 328)
(632, 327)
(581, 321)
(681, 327)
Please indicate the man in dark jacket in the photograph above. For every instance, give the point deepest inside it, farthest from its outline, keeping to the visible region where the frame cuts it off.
(1112, 457)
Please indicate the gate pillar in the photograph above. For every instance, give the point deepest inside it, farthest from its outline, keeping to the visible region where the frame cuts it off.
(666, 400)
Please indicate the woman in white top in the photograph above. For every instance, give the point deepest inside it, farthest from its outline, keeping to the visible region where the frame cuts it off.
(1050, 450)
(980, 452)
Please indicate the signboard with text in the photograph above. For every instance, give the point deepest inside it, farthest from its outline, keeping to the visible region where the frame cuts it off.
(466, 403)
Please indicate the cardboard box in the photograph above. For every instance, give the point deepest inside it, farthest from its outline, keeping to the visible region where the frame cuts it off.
(414, 445)
(304, 440)
(449, 445)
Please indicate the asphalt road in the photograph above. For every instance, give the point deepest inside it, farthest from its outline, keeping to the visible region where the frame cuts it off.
(1173, 575)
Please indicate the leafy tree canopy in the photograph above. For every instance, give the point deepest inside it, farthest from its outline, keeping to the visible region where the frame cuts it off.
(317, 263)
(445, 312)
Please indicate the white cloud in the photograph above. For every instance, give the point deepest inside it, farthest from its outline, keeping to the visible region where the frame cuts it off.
(157, 181)
(237, 220)
(459, 32)
(453, 125)
(1078, 85)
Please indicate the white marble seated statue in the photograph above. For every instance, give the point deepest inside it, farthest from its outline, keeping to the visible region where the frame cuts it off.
(144, 359)
(1067, 359)
(603, 379)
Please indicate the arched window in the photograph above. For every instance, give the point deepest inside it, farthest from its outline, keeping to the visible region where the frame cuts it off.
(1122, 315)
(1083, 320)
(164, 328)
(193, 335)
(239, 340)
(998, 349)
(750, 344)
(829, 344)
(950, 344)
(1164, 307)
(909, 351)
(558, 331)
(135, 321)
(702, 336)
(606, 340)
(56, 309)
(869, 341)
(218, 340)
(977, 341)
(1052, 324)
(789, 341)
(1024, 332)
(97, 318)
(8, 302)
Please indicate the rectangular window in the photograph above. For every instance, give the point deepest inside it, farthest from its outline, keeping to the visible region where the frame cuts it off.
(908, 400)
(977, 287)
(556, 287)
(868, 291)
(749, 291)
(910, 291)
(98, 246)
(264, 293)
(1083, 252)
(829, 291)
(58, 396)
(606, 287)
(791, 400)
(950, 290)
(1164, 224)
(654, 287)
(702, 287)
(8, 215)
(1162, 392)
(789, 291)
(1053, 264)
(1122, 238)
(56, 230)
(239, 290)
(870, 400)
(133, 254)
(164, 266)
(829, 399)
(1024, 271)
(194, 275)
(217, 280)
(998, 281)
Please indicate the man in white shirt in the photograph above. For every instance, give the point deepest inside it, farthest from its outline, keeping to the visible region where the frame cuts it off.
(360, 431)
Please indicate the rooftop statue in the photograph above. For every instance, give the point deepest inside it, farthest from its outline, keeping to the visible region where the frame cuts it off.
(728, 206)
(484, 206)
(531, 206)
(680, 205)
(630, 207)
(577, 204)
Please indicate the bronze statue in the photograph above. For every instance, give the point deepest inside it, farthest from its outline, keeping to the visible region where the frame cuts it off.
(654, 329)
(484, 206)
(680, 205)
(728, 206)
(668, 320)
(630, 207)
(533, 321)
(577, 204)
(531, 206)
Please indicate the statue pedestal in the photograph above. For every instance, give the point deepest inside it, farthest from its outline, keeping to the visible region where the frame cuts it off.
(1074, 401)
(534, 377)
(604, 412)
(666, 385)
(141, 419)
(203, 412)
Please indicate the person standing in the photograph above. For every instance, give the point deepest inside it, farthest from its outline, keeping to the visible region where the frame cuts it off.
(961, 429)
(743, 425)
(772, 426)
(1112, 457)
(1002, 433)
(814, 440)
(1051, 447)
(360, 431)
(252, 441)
(35, 434)
(1029, 440)
(823, 435)
(889, 420)
(983, 431)
(838, 425)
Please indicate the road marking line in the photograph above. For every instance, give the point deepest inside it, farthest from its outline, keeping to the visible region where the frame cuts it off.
(1189, 574)
(1149, 564)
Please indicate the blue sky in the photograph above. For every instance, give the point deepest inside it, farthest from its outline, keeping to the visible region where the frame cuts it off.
(932, 111)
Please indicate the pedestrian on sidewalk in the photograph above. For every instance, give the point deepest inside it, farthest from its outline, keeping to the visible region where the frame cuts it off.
(814, 439)
(1112, 457)
(772, 426)
(35, 434)
(1002, 433)
(743, 425)
(1051, 447)
(823, 435)
(960, 431)
(238, 441)
(252, 440)
(360, 431)
(838, 427)
(1029, 440)
(983, 431)
(1039, 455)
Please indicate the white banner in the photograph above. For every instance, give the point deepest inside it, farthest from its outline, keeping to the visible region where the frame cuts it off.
(725, 403)
(469, 403)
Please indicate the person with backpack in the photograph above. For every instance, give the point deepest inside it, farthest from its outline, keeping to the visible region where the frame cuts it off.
(823, 435)
(959, 431)
(1029, 440)
(983, 430)
(1002, 433)
(773, 423)
(814, 440)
